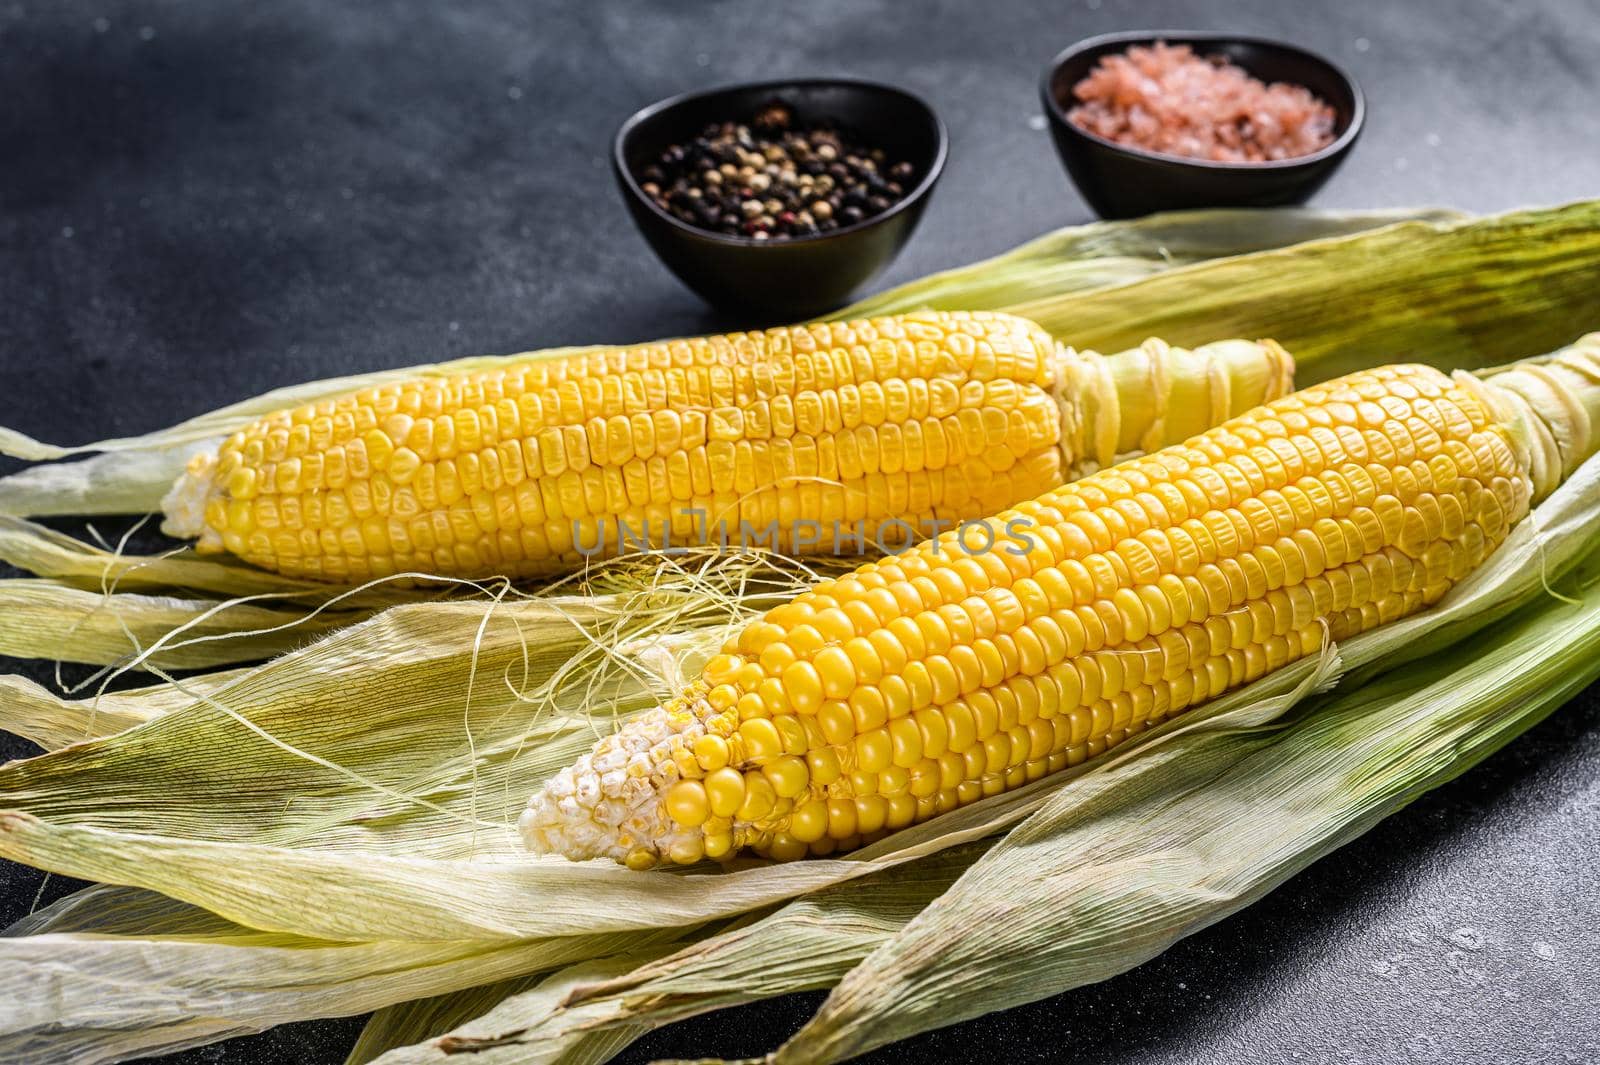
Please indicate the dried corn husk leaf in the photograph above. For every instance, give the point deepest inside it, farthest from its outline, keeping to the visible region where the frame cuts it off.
(47, 619)
(495, 1036)
(420, 1019)
(42, 717)
(106, 607)
(142, 630)
(106, 909)
(807, 944)
(119, 973)
(52, 554)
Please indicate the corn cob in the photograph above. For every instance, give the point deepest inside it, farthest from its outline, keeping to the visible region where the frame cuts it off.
(925, 681)
(786, 436)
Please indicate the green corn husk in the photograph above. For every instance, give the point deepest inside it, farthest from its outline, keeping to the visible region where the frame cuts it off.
(378, 771)
(1079, 258)
(1454, 293)
(1458, 295)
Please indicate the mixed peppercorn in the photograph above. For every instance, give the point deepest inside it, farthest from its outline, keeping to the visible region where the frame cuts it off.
(768, 180)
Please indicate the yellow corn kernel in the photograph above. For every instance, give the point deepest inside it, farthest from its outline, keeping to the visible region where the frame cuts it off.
(718, 845)
(869, 708)
(842, 820)
(761, 738)
(893, 781)
(787, 775)
(759, 798)
(961, 725)
(934, 728)
(687, 850)
(791, 733)
(809, 822)
(687, 803)
(836, 671)
(836, 721)
(711, 752)
(823, 765)
(724, 791)
(874, 751)
(872, 811)
(905, 741)
(902, 810)
(785, 848)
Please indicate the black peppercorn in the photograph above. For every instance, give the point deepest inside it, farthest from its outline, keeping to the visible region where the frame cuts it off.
(771, 179)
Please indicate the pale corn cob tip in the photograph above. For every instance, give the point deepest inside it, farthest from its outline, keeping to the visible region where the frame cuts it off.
(609, 803)
(184, 506)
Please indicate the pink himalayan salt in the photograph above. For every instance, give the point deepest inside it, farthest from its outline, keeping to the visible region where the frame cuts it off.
(1167, 99)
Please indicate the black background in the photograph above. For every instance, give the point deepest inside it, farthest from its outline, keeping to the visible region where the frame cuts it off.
(199, 201)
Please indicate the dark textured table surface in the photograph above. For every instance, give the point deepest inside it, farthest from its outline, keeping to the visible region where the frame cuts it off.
(200, 201)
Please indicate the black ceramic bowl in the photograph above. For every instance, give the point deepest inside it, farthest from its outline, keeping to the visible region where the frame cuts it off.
(804, 275)
(1122, 182)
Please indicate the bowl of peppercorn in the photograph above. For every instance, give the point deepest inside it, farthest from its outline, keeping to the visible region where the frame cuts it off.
(781, 198)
